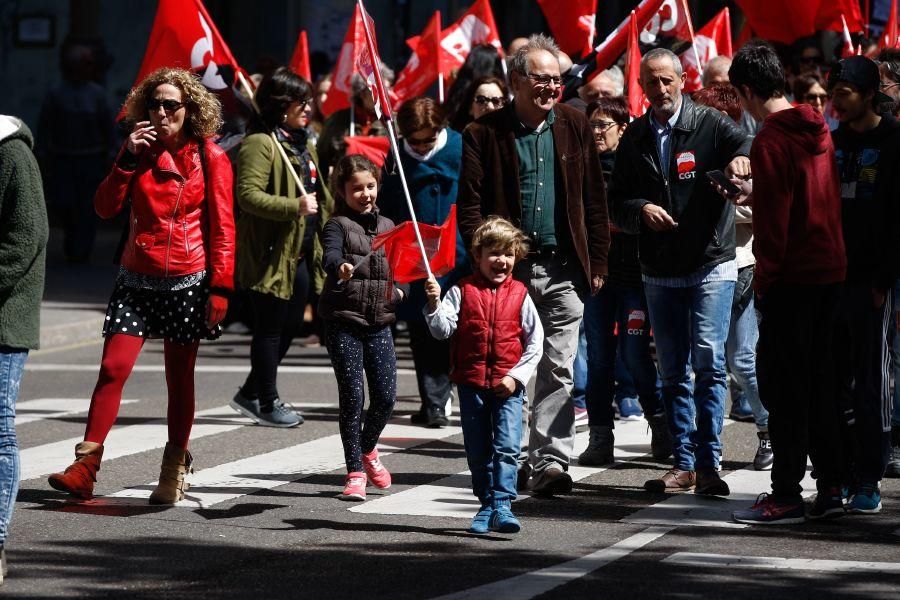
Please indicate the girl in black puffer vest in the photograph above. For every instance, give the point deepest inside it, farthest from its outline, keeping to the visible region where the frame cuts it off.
(357, 305)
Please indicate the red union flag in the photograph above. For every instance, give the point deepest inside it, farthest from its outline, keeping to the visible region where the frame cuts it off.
(572, 24)
(354, 41)
(300, 59)
(367, 65)
(184, 36)
(475, 27)
(403, 253)
(424, 65)
(637, 103)
(713, 40)
(788, 20)
(889, 39)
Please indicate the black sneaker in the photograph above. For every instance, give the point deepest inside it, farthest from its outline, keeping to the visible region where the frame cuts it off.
(660, 438)
(893, 466)
(435, 419)
(249, 407)
(279, 416)
(828, 504)
(764, 455)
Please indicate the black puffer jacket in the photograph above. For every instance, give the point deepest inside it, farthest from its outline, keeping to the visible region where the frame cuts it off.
(370, 297)
(702, 140)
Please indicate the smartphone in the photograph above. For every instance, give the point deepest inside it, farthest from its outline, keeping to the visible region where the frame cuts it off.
(720, 178)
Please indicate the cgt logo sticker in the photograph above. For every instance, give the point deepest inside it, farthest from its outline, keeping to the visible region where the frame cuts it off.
(685, 163)
(636, 321)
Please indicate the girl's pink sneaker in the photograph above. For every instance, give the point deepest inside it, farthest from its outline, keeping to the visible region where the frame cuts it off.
(354, 487)
(378, 474)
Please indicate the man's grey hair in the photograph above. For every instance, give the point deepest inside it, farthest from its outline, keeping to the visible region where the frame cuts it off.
(658, 53)
(518, 62)
(358, 84)
(615, 74)
(717, 64)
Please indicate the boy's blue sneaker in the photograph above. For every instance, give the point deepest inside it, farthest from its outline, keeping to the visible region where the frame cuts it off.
(481, 520)
(866, 500)
(504, 521)
(630, 410)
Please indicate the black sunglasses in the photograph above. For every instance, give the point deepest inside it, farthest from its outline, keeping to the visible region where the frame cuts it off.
(169, 106)
(485, 100)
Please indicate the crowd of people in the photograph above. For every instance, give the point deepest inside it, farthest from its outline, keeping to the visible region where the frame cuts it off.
(752, 225)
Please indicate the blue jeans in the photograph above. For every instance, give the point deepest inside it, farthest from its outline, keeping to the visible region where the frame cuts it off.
(12, 363)
(895, 415)
(626, 307)
(740, 349)
(579, 369)
(492, 432)
(690, 326)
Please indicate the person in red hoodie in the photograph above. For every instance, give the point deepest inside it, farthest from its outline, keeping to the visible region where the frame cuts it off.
(800, 268)
(177, 266)
(497, 341)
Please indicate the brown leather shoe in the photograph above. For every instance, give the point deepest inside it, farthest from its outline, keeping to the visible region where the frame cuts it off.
(710, 484)
(551, 481)
(674, 481)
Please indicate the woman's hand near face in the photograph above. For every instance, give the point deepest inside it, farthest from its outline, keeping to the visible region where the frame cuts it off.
(141, 137)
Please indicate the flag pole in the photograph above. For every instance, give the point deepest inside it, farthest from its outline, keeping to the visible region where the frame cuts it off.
(687, 13)
(440, 59)
(249, 91)
(389, 121)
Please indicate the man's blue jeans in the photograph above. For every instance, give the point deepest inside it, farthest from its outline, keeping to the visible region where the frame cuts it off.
(626, 307)
(690, 326)
(492, 432)
(12, 363)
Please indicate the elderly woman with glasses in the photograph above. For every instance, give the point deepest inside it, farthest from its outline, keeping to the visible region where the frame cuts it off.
(484, 95)
(431, 154)
(176, 268)
(277, 235)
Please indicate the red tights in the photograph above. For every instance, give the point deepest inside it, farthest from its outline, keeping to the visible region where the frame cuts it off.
(120, 352)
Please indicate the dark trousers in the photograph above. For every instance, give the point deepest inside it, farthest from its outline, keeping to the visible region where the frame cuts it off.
(355, 349)
(864, 362)
(276, 322)
(431, 359)
(795, 369)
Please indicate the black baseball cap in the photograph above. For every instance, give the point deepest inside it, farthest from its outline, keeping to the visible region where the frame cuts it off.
(861, 72)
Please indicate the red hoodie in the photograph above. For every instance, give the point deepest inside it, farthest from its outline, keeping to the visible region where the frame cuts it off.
(796, 202)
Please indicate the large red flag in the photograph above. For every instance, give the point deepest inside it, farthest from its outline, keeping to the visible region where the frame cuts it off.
(831, 12)
(373, 147)
(713, 39)
(354, 42)
(403, 253)
(424, 65)
(300, 59)
(475, 27)
(184, 35)
(637, 103)
(572, 24)
(787, 20)
(889, 37)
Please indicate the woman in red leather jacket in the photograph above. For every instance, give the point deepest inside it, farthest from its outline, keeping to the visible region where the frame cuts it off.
(177, 268)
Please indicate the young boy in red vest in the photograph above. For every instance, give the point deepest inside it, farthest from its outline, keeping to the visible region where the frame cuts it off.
(496, 345)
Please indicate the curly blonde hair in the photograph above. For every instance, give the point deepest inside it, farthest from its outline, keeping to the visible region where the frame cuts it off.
(496, 233)
(204, 111)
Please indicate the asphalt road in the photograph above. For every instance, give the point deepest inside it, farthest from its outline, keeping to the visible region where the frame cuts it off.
(262, 519)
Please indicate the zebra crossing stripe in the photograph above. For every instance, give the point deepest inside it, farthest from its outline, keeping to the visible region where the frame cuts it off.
(694, 559)
(41, 409)
(273, 469)
(452, 496)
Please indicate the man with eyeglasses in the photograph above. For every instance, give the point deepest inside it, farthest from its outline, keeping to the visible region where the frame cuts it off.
(533, 162)
(659, 190)
(867, 148)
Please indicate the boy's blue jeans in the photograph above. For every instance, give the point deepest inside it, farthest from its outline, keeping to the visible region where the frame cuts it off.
(492, 431)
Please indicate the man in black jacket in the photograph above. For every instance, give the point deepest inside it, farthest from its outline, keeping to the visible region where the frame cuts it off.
(659, 190)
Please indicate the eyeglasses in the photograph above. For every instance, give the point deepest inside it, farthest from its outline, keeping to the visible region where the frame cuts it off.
(169, 106)
(602, 126)
(816, 98)
(484, 100)
(887, 86)
(545, 80)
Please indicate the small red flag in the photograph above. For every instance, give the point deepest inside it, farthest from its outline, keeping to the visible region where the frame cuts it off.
(300, 59)
(572, 24)
(403, 253)
(890, 35)
(424, 65)
(637, 103)
(713, 39)
(354, 41)
(367, 65)
(373, 147)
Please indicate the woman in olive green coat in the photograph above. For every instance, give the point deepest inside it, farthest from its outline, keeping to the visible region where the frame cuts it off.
(277, 245)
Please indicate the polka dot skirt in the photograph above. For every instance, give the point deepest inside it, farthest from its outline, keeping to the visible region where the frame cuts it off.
(177, 315)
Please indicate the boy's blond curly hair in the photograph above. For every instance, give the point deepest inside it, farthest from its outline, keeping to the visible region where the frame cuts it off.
(498, 233)
(203, 116)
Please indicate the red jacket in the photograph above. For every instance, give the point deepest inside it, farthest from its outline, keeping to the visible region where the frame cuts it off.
(176, 228)
(488, 339)
(796, 202)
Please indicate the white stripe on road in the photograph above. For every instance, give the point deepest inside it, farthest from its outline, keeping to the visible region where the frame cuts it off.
(452, 496)
(274, 469)
(690, 510)
(52, 408)
(692, 559)
(38, 461)
(532, 585)
(245, 368)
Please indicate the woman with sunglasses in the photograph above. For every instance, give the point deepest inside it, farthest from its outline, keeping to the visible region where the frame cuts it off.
(486, 94)
(177, 266)
(277, 236)
(432, 155)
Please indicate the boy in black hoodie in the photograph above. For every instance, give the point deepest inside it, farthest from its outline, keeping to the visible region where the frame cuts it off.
(867, 148)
